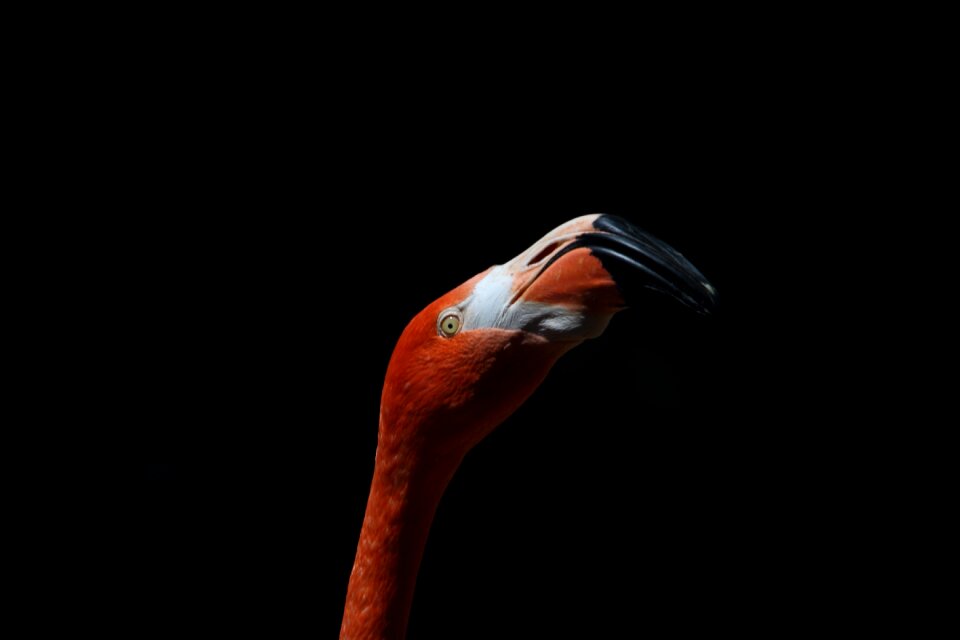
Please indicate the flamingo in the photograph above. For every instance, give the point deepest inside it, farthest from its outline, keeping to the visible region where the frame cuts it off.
(466, 362)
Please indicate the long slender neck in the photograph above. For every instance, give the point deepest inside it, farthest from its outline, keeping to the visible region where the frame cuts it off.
(403, 499)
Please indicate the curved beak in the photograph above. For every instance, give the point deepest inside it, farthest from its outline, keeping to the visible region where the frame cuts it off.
(567, 286)
(637, 260)
(592, 267)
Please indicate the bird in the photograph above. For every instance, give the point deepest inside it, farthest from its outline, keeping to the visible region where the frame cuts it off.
(470, 359)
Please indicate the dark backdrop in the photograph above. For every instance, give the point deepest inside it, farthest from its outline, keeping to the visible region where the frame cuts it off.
(660, 476)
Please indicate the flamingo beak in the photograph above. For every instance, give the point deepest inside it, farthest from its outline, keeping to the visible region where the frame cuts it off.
(637, 261)
(583, 272)
(567, 286)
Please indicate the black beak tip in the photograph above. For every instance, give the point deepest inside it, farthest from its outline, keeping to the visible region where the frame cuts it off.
(638, 261)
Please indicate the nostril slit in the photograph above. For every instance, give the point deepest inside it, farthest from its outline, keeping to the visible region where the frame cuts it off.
(543, 253)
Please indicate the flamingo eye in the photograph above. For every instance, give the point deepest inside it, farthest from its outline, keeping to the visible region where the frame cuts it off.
(449, 324)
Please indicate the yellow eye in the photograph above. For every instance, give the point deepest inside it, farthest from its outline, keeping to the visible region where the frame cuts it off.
(449, 324)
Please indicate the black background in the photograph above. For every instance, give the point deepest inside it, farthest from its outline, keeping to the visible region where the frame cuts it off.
(235, 218)
(672, 472)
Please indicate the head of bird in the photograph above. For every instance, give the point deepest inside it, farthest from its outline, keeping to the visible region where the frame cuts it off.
(470, 358)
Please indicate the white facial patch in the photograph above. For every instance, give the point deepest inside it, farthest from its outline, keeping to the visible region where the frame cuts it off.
(489, 302)
(489, 306)
(497, 299)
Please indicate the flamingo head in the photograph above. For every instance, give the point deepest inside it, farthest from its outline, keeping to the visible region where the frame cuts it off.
(470, 358)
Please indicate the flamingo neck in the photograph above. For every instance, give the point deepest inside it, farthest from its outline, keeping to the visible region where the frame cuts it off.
(403, 500)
